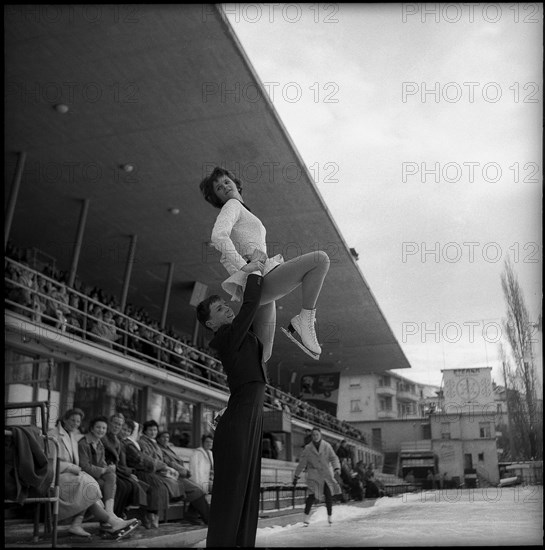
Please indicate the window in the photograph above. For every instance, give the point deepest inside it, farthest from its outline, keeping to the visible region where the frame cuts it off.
(98, 396)
(481, 457)
(426, 431)
(176, 416)
(354, 383)
(384, 381)
(385, 403)
(26, 378)
(355, 405)
(484, 429)
(445, 430)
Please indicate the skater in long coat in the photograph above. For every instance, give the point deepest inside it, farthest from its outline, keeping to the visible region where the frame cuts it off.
(323, 470)
(238, 438)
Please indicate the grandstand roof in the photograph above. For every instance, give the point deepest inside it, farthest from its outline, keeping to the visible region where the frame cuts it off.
(168, 89)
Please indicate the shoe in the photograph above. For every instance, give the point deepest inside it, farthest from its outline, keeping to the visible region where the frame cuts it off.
(303, 326)
(125, 531)
(193, 519)
(121, 525)
(77, 529)
(306, 520)
(155, 521)
(329, 520)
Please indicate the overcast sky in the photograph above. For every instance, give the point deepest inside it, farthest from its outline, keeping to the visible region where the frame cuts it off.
(422, 131)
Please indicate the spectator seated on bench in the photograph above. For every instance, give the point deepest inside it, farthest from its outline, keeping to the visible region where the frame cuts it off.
(178, 481)
(79, 491)
(147, 470)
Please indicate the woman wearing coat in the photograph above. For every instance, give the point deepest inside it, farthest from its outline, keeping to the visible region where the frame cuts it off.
(323, 470)
(79, 491)
(202, 464)
(146, 470)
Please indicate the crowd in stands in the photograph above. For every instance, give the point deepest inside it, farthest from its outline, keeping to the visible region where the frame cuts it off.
(358, 481)
(100, 319)
(113, 466)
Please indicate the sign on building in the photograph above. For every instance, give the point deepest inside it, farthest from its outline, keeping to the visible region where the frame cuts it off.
(467, 387)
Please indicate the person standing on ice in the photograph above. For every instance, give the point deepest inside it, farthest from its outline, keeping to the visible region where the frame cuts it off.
(238, 439)
(323, 473)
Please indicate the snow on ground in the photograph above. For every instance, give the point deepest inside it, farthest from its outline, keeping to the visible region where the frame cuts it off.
(476, 517)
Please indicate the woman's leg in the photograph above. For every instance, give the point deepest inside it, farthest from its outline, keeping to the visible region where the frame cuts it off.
(264, 327)
(308, 270)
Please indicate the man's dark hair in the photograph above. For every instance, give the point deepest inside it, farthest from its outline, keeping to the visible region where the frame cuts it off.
(207, 185)
(203, 309)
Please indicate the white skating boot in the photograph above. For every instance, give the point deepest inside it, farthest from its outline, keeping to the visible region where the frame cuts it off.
(303, 325)
(306, 520)
(329, 520)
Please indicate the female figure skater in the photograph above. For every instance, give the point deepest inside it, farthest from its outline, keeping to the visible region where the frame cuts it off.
(240, 237)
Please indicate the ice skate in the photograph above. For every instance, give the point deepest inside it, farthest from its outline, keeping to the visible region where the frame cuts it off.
(303, 326)
(329, 520)
(306, 520)
(123, 532)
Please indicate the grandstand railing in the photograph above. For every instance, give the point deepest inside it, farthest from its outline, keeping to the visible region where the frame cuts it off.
(162, 351)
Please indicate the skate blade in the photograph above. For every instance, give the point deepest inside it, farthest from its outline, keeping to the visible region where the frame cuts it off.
(299, 344)
(124, 533)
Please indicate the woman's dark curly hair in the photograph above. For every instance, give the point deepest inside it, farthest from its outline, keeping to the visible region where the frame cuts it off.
(207, 185)
(98, 419)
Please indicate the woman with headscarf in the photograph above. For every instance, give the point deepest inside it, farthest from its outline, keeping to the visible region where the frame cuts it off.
(146, 470)
(130, 490)
(175, 475)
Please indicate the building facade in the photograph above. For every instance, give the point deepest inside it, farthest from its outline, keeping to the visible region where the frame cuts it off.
(452, 433)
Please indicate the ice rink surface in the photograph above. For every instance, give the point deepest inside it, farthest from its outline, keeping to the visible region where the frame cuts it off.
(470, 517)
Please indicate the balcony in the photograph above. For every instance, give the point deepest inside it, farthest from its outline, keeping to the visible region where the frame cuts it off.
(386, 390)
(386, 414)
(403, 395)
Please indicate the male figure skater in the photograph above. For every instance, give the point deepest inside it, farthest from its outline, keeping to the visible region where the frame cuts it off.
(238, 437)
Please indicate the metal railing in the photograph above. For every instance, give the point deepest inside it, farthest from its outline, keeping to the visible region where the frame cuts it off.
(135, 339)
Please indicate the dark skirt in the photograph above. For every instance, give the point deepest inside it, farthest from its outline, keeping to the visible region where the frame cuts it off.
(238, 437)
(129, 492)
(157, 492)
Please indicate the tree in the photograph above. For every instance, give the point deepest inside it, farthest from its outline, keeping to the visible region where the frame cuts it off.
(521, 386)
